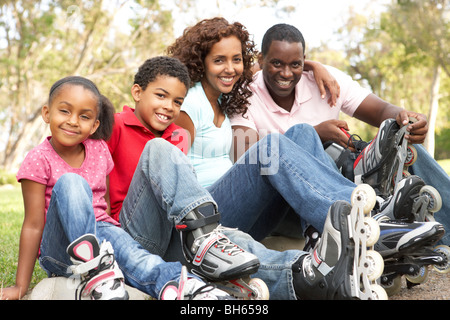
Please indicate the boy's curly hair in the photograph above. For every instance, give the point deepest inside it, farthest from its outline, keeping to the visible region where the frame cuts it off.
(161, 66)
(195, 44)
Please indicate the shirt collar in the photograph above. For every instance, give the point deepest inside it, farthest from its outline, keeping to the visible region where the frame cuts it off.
(302, 93)
(130, 119)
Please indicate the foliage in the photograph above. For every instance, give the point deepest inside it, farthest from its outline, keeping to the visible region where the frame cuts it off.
(396, 54)
(43, 41)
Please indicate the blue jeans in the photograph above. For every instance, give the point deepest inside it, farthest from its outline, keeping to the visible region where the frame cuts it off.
(71, 215)
(279, 174)
(432, 173)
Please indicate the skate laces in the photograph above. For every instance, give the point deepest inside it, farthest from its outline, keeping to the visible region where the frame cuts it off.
(357, 141)
(222, 241)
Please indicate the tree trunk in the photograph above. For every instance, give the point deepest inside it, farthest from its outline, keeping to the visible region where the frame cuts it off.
(434, 106)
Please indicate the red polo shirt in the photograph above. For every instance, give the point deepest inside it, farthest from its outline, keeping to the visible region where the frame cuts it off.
(126, 144)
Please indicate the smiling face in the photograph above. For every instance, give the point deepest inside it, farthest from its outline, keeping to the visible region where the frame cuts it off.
(72, 115)
(159, 104)
(223, 66)
(282, 69)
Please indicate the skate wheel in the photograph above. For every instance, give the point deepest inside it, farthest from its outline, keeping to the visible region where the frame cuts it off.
(405, 174)
(372, 230)
(445, 252)
(420, 277)
(374, 265)
(260, 288)
(411, 156)
(435, 198)
(378, 293)
(364, 195)
(394, 286)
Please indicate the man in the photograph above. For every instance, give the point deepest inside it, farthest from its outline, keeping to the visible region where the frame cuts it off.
(283, 95)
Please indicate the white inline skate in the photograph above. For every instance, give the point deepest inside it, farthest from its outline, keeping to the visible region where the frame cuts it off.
(191, 289)
(95, 265)
(343, 264)
(211, 255)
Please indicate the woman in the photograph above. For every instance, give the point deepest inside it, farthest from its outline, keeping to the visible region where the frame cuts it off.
(219, 57)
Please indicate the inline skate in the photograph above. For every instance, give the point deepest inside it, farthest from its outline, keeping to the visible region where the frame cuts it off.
(211, 255)
(343, 264)
(191, 289)
(95, 265)
(382, 163)
(411, 201)
(408, 249)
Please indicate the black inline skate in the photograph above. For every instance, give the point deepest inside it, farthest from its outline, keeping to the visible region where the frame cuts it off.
(408, 249)
(343, 264)
(411, 201)
(382, 164)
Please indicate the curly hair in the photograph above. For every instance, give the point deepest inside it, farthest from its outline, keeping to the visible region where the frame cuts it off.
(195, 44)
(161, 66)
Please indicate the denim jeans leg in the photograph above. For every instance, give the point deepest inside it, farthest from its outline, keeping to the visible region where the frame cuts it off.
(142, 270)
(432, 173)
(163, 190)
(69, 216)
(274, 170)
(275, 266)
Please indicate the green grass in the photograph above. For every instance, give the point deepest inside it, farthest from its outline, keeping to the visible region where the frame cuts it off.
(11, 218)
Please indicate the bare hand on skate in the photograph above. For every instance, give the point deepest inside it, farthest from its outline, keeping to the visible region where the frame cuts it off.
(417, 130)
(336, 131)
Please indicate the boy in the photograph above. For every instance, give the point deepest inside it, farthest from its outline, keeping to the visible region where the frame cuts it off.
(159, 89)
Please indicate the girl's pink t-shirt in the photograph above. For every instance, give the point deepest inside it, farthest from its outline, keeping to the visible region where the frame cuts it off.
(43, 165)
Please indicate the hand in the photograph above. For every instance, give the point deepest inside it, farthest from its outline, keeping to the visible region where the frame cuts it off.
(12, 293)
(417, 130)
(324, 81)
(334, 130)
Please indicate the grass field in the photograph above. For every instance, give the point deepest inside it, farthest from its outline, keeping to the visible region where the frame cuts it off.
(11, 217)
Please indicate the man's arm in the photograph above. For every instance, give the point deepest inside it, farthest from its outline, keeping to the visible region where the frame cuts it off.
(374, 110)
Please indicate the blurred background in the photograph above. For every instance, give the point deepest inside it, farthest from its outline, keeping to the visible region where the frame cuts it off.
(399, 49)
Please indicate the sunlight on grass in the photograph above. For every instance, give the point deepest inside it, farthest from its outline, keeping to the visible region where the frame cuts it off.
(11, 218)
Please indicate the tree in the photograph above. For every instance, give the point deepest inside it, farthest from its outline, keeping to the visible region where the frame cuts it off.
(424, 26)
(43, 41)
(401, 53)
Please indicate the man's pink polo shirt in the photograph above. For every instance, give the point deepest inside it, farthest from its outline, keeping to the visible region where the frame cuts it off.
(265, 116)
(127, 142)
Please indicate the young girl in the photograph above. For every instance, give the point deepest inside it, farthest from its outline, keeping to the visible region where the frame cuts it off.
(65, 187)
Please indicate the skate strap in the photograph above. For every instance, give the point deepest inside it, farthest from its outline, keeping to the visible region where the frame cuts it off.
(82, 268)
(320, 265)
(205, 246)
(101, 278)
(189, 225)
